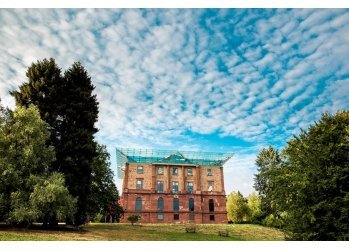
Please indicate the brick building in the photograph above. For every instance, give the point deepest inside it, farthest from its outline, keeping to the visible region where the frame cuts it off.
(164, 186)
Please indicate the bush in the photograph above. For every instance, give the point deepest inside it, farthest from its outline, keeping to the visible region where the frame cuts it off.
(273, 221)
(99, 217)
(133, 218)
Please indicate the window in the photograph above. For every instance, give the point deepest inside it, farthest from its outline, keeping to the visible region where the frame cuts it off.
(211, 217)
(174, 171)
(139, 169)
(160, 204)
(138, 204)
(139, 184)
(190, 187)
(191, 204)
(175, 187)
(211, 205)
(160, 217)
(189, 171)
(191, 216)
(160, 170)
(175, 204)
(209, 186)
(160, 186)
(176, 216)
(209, 171)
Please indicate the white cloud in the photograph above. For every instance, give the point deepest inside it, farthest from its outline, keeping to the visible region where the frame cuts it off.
(161, 73)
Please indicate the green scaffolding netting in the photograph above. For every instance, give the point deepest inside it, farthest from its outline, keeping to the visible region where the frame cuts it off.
(124, 155)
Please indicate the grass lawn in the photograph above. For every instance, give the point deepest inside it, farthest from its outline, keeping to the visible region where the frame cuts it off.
(151, 232)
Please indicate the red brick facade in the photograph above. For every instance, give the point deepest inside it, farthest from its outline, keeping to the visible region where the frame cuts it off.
(148, 193)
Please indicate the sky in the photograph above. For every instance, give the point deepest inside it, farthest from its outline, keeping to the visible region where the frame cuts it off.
(221, 80)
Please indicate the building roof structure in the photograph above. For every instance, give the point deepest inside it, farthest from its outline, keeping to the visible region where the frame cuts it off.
(124, 155)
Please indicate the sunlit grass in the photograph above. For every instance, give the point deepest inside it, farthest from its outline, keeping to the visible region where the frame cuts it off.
(144, 232)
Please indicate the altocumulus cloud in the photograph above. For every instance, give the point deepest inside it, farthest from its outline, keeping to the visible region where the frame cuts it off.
(176, 78)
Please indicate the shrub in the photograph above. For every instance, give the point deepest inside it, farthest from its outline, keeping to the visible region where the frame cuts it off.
(133, 218)
(273, 221)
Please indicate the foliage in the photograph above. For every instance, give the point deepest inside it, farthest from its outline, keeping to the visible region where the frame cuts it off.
(237, 209)
(254, 208)
(50, 198)
(98, 217)
(43, 89)
(67, 104)
(104, 194)
(319, 162)
(24, 162)
(133, 218)
(308, 187)
(24, 156)
(267, 161)
(78, 149)
(277, 221)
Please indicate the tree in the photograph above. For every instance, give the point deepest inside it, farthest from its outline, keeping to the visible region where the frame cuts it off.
(67, 104)
(44, 89)
(254, 208)
(306, 187)
(24, 162)
(237, 209)
(77, 148)
(268, 160)
(7, 176)
(318, 164)
(23, 154)
(104, 194)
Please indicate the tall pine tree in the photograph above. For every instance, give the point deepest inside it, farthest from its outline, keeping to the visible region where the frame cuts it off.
(77, 148)
(71, 110)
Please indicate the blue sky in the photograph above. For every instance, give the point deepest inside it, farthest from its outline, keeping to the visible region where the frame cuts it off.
(227, 80)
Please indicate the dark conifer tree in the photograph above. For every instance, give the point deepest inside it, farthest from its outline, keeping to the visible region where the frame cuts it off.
(44, 89)
(77, 148)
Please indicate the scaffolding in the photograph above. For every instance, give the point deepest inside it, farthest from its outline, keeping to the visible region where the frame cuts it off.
(124, 155)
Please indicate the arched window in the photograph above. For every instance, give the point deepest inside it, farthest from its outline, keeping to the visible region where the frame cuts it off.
(175, 204)
(160, 204)
(138, 204)
(211, 205)
(191, 204)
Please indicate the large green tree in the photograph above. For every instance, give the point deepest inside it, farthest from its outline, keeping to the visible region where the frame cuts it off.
(23, 153)
(68, 105)
(307, 186)
(318, 169)
(24, 165)
(77, 148)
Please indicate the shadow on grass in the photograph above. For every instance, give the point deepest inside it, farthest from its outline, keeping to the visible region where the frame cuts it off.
(40, 227)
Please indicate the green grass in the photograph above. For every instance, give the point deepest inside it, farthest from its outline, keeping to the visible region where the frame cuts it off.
(17, 237)
(145, 232)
